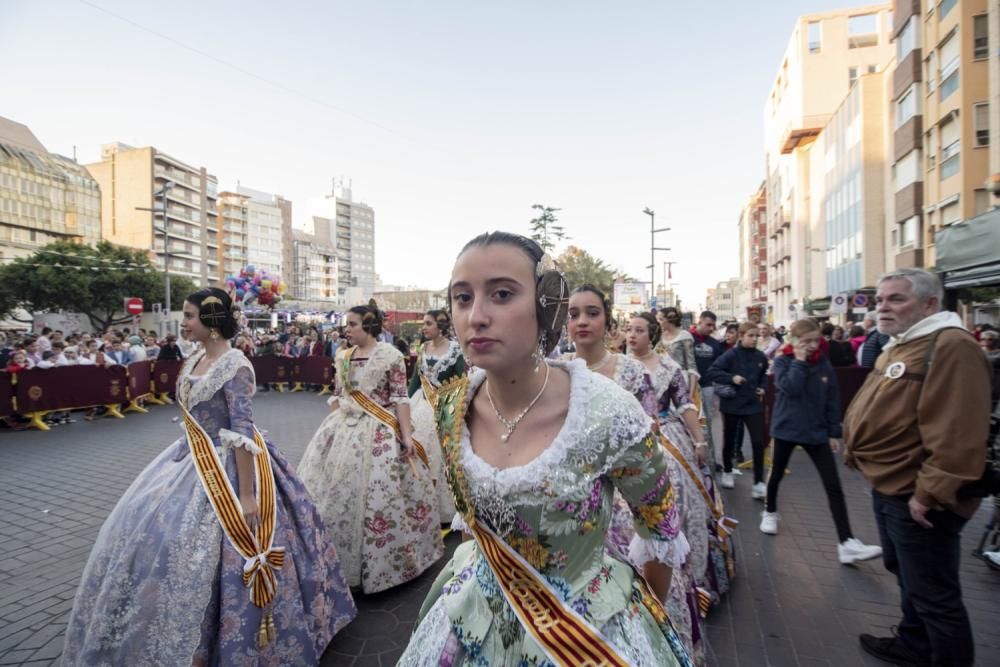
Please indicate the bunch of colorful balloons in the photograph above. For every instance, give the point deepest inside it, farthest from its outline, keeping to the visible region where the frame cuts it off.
(253, 285)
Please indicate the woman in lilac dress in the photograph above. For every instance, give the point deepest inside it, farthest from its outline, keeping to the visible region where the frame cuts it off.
(164, 585)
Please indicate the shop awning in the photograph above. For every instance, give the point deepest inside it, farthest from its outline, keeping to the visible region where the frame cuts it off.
(968, 254)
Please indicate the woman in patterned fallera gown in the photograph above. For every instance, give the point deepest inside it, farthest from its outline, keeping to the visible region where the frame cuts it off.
(375, 495)
(164, 584)
(534, 452)
(589, 312)
(440, 360)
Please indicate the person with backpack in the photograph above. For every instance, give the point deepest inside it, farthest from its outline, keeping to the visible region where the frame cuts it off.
(806, 414)
(917, 430)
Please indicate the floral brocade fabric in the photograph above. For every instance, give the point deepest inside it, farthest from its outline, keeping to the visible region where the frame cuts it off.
(163, 585)
(380, 508)
(555, 511)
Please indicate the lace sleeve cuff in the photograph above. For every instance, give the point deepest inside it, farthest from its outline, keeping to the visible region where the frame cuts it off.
(236, 440)
(672, 552)
(687, 406)
(458, 524)
(332, 400)
(399, 400)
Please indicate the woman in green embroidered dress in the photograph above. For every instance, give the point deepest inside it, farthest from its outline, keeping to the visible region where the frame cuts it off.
(440, 360)
(534, 451)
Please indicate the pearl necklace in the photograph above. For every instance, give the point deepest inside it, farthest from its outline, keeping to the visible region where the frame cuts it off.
(600, 364)
(511, 424)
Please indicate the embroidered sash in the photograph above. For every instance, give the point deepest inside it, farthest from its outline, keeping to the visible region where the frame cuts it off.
(564, 635)
(723, 524)
(389, 419)
(262, 558)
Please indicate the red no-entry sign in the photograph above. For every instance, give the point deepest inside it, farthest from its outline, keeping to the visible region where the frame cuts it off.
(133, 305)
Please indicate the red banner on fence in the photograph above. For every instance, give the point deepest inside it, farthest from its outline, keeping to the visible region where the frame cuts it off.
(315, 370)
(6, 394)
(271, 368)
(140, 378)
(70, 387)
(165, 375)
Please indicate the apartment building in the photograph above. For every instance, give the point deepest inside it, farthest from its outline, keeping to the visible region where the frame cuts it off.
(941, 110)
(828, 53)
(44, 197)
(314, 275)
(753, 252)
(188, 233)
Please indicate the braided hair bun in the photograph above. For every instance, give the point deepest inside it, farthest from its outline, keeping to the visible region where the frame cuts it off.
(215, 311)
(372, 318)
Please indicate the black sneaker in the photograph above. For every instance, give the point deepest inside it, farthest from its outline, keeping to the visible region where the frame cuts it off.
(891, 650)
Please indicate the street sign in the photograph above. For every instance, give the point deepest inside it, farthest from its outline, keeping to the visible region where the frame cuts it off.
(133, 305)
(860, 300)
(839, 303)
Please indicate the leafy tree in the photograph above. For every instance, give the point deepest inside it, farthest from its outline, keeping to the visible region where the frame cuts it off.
(92, 280)
(545, 230)
(580, 267)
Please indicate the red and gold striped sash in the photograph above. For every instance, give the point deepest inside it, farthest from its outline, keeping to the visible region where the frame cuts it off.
(261, 557)
(722, 522)
(389, 419)
(565, 636)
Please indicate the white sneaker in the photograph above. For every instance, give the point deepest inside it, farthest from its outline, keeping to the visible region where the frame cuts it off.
(769, 522)
(737, 472)
(854, 549)
(727, 481)
(992, 557)
(759, 491)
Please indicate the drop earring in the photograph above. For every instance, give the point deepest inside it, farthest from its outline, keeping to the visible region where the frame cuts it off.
(214, 335)
(539, 354)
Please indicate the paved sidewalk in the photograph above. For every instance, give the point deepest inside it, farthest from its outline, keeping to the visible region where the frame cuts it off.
(792, 604)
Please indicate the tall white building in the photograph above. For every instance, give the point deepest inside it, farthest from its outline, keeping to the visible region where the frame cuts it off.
(350, 226)
(826, 56)
(314, 270)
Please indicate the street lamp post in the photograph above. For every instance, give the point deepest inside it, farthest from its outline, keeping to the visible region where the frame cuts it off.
(652, 249)
(162, 194)
(666, 265)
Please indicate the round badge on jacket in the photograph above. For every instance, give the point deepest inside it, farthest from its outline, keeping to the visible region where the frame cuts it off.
(895, 370)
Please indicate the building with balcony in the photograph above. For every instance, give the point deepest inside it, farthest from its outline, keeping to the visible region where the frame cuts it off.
(233, 232)
(721, 300)
(187, 232)
(826, 55)
(942, 122)
(753, 252)
(44, 197)
(350, 227)
(314, 274)
(847, 252)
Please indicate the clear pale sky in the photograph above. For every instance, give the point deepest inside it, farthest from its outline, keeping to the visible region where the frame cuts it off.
(451, 118)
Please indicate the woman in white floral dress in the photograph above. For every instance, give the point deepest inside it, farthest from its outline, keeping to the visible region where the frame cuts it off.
(440, 360)
(678, 418)
(535, 451)
(374, 494)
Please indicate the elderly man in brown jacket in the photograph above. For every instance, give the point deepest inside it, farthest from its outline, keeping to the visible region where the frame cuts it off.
(917, 431)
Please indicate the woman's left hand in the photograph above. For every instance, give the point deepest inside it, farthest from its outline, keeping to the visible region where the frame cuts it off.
(406, 446)
(699, 453)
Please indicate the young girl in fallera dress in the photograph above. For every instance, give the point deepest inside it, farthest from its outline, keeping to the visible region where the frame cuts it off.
(165, 583)
(534, 452)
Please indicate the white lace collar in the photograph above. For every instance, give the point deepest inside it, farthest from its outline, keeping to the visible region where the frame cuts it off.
(368, 376)
(664, 374)
(194, 390)
(526, 477)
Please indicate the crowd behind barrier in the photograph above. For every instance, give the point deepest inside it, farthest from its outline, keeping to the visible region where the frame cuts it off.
(122, 389)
